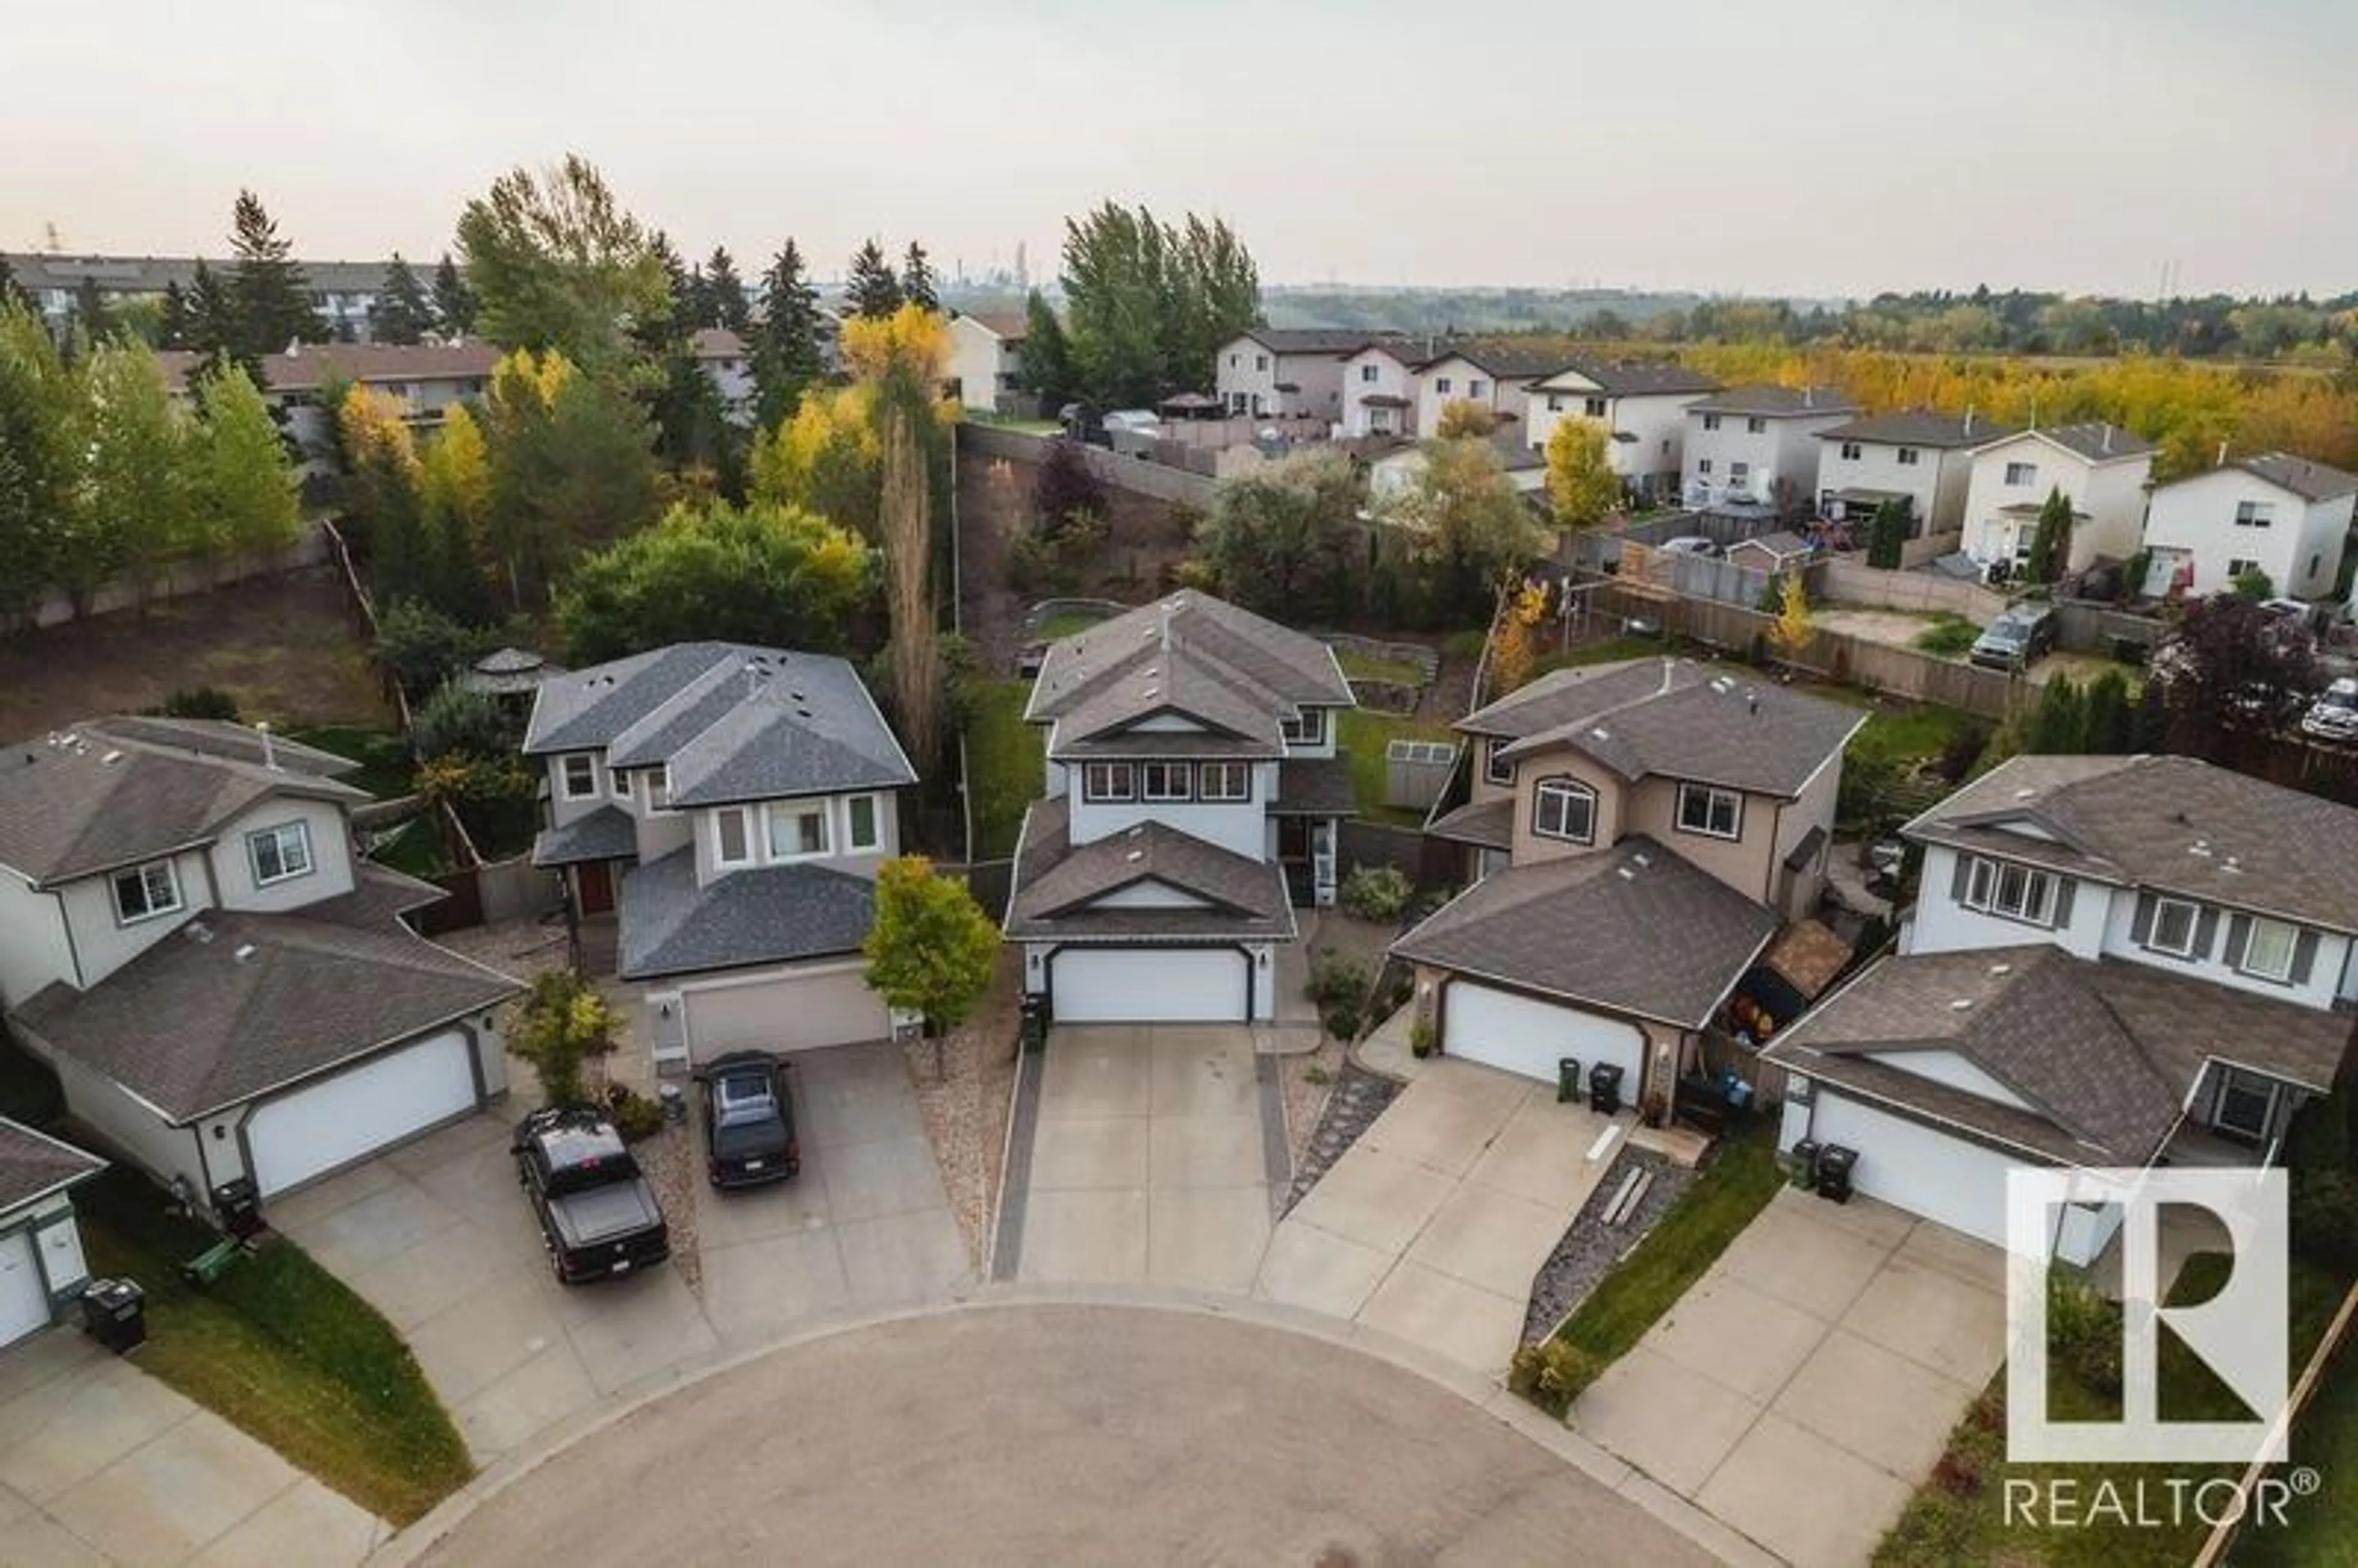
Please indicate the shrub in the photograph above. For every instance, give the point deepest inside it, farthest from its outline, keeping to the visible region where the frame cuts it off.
(1376, 892)
(635, 1116)
(1336, 976)
(1948, 635)
(1316, 1076)
(2086, 1330)
(1047, 558)
(1420, 1038)
(423, 647)
(199, 702)
(2255, 584)
(558, 1025)
(461, 721)
(1341, 1017)
(1551, 1374)
(1962, 749)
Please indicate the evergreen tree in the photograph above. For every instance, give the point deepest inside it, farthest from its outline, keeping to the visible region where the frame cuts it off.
(1887, 535)
(172, 326)
(871, 286)
(273, 296)
(695, 307)
(90, 314)
(2050, 543)
(2110, 718)
(454, 302)
(11, 292)
(785, 342)
(209, 326)
(404, 313)
(917, 281)
(1047, 362)
(685, 288)
(725, 293)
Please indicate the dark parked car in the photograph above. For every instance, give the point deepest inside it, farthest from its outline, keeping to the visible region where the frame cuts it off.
(748, 1120)
(598, 1217)
(2016, 639)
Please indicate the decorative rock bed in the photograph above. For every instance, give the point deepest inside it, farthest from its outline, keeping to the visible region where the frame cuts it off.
(1590, 1248)
(1359, 1097)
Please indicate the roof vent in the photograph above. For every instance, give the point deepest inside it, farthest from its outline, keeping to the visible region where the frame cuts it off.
(1961, 1004)
(1625, 873)
(2024, 794)
(2232, 864)
(2199, 846)
(1138, 831)
(197, 931)
(1135, 856)
(1722, 685)
(245, 951)
(1998, 969)
(111, 758)
(1638, 857)
(1598, 732)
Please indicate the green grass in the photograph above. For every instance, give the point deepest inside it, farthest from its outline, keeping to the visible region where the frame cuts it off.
(1366, 666)
(282, 1349)
(1005, 770)
(1066, 623)
(1609, 651)
(386, 767)
(2319, 1530)
(1363, 733)
(1729, 1195)
(417, 851)
(1903, 733)
(1948, 635)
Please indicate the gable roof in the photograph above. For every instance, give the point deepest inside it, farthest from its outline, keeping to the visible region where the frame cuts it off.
(1922, 428)
(1006, 326)
(1635, 378)
(253, 1002)
(732, 720)
(763, 915)
(313, 365)
(33, 1165)
(1187, 653)
(2171, 824)
(1633, 929)
(1058, 883)
(117, 792)
(2095, 442)
(1772, 401)
(2104, 1054)
(716, 344)
(1341, 343)
(1504, 362)
(2297, 475)
(1676, 719)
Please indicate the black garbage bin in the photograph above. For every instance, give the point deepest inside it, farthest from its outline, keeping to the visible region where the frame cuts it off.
(237, 1204)
(1605, 1088)
(1567, 1080)
(114, 1312)
(1834, 1164)
(1034, 1025)
(1805, 1162)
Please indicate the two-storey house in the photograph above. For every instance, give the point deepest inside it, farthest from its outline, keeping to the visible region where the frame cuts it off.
(718, 812)
(2100, 470)
(42, 1269)
(1498, 377)
(728, 364)
(1642, 405)
(1285, 372)
(2275, 512)
(1380, 388)
(1194, 795)
(223, 986)
(2112, 961)
(424, 380)
(1918, 458)
(1636, 834)
(1748, 446)
(986, 359)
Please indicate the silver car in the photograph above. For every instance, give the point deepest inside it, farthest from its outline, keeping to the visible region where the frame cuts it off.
(2334, 715)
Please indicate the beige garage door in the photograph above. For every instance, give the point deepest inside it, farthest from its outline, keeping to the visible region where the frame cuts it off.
(786, 1010)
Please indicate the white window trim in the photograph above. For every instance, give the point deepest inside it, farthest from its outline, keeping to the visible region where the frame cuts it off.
(1568, 790)
(659, 791)
(779, 814)
(621, 782)
(1850, 452)
(1491, 759)
(2291, 950)
(1210, 772)
(1308, 727)
(154, 910)
(1183, 774)
(1908, 456)
(2193, 922)
(853, 844)
(1984, 878)
(565, 775)
(1093, 795)
(1711, 795)
(2231, 1079)
(277, 833)
(744, 816)
(1711, 421)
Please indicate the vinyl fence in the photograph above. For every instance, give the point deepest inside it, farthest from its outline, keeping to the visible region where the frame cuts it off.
(179, 581)
(1853, 582)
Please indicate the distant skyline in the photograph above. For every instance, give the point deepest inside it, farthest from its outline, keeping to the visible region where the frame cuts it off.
(1815, 148)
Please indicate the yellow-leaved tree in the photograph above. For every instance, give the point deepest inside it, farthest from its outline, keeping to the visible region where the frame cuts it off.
(1462, 416)
(1511, 639)
(1790, 632)
(1581, 482)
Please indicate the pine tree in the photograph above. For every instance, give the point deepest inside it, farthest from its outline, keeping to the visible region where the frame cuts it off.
(869, 284)
(11, 292)
(404, 313)
(454, 302)
(917, 282)
(172, 326)
(274, 298)
(726, 292)
(2050, 543)
(785, 342)
(210, 327)
(693, 308)
(90, 314)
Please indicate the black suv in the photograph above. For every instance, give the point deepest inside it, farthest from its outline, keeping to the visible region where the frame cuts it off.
(598, 1217)
(748, 1120)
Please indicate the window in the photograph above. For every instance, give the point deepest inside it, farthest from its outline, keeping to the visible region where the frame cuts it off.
(1108, 781)
(621, 784)
(1714, 813)
(1908, 456)
(1850, 451)
(797, 832)
(2246, 1103)
(859, 819)
(2315, 561)
(2268, 949)
(1260, 361)
(1556, 404)
(2011, 892)
(1594, 407)
(1167, 781)
(1711, 421)
(580, 777)
(1738, 472)
(732, 841)
(1566, 809)
(1442, 384)
(1224, 781)
(1232, 362)
(1703, 465)
(1308, 727)
(2255, 513)
(1498, 769)
(2018, 475)
(1367, 372)
(2239, 566)
(2174, 920)
(659, 787)
(144, 891)
(1475, 388)
(279, 853)
(1756, 426)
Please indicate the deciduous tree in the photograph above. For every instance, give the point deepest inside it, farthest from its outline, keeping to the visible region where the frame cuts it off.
(931, 949)
(1047, 362)
(1791, 631)
(42, 500)
(1149, 303)
(558, 1026)
(1462, 417)
(140, 513)
(1512, 650)
(555, 261)
(1287, 538)
(572, 466)
(244, 484)
(1467, 527)
(1582, 486)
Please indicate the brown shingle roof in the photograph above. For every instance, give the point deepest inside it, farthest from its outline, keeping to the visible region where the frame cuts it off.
(1056, 880)
(1488, 825)
(1636, 378)
(1633, 929)
(33, 1163)
(1006, 326)
(314, 364)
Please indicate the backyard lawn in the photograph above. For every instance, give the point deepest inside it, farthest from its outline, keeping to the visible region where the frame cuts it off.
(2319, 1530)
(1366, 666)
(1060, 623)
(1005, 771)
(1363, 733)
(387, 768)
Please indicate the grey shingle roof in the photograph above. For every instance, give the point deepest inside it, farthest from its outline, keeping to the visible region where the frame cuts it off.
(1489, 824)
(317, 364)
(735, 723)
(1504, 362)
(2311, 482)
(33, 1163)
(765, 914)
(1633, 929)
(1922, 428)
(379, 894)
(716, 344)
(1314, 786)
(1675, 718)
(114, 797)
(1636, 378)
(1339, 342)
(2096, 441)
(1056, 881)
(220, 738)
(236, 1004)
(509, 670)
(605, 834)
(2104, 1053)
(1770, 402)
(2171, 824)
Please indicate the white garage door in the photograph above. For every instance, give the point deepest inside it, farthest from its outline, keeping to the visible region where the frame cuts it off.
(1910, 1166)
(1522, 1036)
(1148, 985)
(358, 1112)
(788, 1010)
(24, 1299)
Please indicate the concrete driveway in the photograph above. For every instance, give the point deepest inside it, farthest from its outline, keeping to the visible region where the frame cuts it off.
(1432, 1226)
(101, 1464)
(437, 1238)
(1810, 1379)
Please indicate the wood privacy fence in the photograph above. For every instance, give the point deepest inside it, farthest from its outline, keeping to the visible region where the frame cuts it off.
(1853, 582)
(1430, 863)
(178, 581)
(1136, 475)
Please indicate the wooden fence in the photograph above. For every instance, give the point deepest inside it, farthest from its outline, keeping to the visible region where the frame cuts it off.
(1134, 474)
(2231, 1525)
(1853, 582)
(1431, 863)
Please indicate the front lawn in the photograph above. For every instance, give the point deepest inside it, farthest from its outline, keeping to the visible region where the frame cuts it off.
(283, 1350)
(1005, 765)
(1363, 733)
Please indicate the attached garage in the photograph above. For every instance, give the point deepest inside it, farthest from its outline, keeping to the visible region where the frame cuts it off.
(1149, 984)
(782, 1009)
(354, 1113)
(23, 1294)
(1907, 1164)
(1523, 1035)
(41, 1264)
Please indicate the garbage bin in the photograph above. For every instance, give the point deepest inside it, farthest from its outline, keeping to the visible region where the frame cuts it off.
(1035, 1026)
(237, 1204)
(1567, 1080)
(1805, 1164)
(1834, 1164)
(114, 1312)
(1605, 1088)
(674, 1100)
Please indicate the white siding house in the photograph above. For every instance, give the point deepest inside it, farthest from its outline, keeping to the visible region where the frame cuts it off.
(1643, 407)
(986, 359)
(1497, 378)
(728, 363)
(1380, 391)
(1918, 456)
(2284, 515)
(1743, 444)
(1290, 374)
(2100, 470)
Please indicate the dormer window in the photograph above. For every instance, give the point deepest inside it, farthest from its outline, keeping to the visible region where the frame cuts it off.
(1564, 809)
(1497, 767)
(146, 892)
(659, 787)
(797, 832)
(732, 837)
(580, 776)
(622, 784)
(1306, 728)
(2174, 920)
(1167, 781)
(859, 819)
(2010, 891)
(1108, 783)
(2268, 948)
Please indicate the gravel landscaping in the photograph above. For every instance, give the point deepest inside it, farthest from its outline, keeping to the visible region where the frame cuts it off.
(1590, 1248)
(668, 1160)
(1357, 1098)
(966, 1105)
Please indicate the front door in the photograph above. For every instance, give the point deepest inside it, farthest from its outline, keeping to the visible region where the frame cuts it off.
(595, 881)
(1294, 860)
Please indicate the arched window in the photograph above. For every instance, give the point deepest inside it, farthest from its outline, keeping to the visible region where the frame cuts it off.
(1566, 809)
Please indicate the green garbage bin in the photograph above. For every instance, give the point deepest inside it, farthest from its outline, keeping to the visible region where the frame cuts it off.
(1567, 1080)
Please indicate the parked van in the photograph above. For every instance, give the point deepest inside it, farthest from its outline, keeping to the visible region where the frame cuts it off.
(2016, 639)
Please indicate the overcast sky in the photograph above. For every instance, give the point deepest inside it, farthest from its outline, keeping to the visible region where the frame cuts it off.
(1758, 146)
